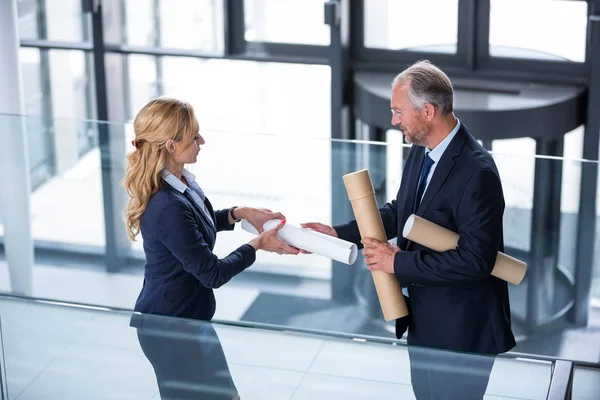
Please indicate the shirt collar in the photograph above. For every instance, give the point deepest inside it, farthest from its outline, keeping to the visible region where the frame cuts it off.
(436, 154)
(176, 183)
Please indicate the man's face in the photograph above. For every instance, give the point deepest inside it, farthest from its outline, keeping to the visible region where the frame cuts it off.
(410, 121)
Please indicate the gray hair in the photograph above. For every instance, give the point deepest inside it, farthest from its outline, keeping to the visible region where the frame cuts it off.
(428, 84)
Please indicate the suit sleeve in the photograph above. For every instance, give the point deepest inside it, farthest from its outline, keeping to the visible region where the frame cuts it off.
(178, 231)
(479, 220)
(222, 217)
(389, 217)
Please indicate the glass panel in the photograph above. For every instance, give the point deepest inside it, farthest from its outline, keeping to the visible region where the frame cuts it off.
(180, 24)
(142, 82)
(430, 25)
(570, 196)
(302, 193)
(63, 352)
(28, 12)
(586, 383)
(191, 24)
(596, 277)
(247, 96)
(39, 135)
(140, 22)
(538, 29)
(32, 81)
(56, 83)
(71, 88)
(292, 21)
(66, 205)
(515, 161)
(298, 172)
(66, 22)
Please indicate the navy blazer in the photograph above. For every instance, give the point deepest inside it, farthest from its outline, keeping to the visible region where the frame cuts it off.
(454, 302)
(181, 270)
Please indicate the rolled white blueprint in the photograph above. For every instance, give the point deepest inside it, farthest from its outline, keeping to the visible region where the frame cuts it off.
(311, 241)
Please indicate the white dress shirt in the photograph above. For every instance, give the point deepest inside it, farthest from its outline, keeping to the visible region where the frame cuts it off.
(193, 189)
(438, 151)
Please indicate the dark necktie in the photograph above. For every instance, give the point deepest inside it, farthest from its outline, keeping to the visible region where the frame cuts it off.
(427, 163)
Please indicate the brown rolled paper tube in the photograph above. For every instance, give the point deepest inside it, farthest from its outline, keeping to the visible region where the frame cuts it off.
(362, 196)
(439, 239)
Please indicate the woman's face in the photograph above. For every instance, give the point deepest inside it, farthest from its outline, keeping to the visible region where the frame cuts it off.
(186, 151)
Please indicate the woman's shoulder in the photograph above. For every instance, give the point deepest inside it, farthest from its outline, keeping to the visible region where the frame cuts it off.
(164, 198)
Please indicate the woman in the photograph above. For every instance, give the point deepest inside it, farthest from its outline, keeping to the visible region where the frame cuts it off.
(179, 227)
(177, 222)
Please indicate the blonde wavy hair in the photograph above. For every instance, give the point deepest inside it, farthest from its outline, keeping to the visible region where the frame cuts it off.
(159, 121)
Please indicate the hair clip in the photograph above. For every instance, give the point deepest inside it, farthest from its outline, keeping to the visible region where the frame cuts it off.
(136, 143)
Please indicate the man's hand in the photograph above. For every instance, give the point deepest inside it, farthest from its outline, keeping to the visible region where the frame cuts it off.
(379, 256)
(319, 227)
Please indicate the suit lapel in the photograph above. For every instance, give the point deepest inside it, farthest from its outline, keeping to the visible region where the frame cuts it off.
(412, 171)
(413, 179)
(443, 169)
(211, 211)
(203, 215)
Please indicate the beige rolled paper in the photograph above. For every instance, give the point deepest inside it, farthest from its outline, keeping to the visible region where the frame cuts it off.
(438, 238)
(362, 196)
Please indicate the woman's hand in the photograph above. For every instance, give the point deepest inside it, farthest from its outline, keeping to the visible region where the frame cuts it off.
(268, 241)
(258, 216)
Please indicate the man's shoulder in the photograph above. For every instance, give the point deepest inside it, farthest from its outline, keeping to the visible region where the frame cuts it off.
(474, 160)
(476, 156)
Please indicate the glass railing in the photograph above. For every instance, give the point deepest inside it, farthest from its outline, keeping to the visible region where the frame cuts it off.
(300, 175)
(66, 351)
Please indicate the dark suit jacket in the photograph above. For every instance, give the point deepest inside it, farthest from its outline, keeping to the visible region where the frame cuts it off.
(181, 269)
(454, 302)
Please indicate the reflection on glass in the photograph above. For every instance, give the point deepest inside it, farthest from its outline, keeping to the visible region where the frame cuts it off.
(187, 358)
(449, 375)
(119, 355)
(538, 29)
(429, 25)
(291, 21)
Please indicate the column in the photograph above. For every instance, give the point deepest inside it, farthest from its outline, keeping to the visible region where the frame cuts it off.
(63, 74)
(337, 16)
(15, 184)
(111, 84)
(588, 217)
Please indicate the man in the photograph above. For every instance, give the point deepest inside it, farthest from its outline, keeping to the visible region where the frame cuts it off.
(454, 302)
